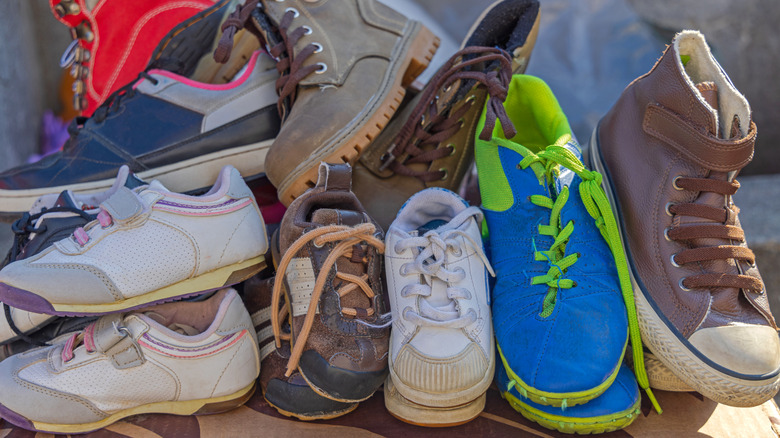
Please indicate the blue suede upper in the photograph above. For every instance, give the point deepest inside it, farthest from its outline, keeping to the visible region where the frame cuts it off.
(580, 345)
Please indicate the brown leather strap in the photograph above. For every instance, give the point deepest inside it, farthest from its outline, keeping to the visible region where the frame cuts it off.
(708, 151)
(335, 177)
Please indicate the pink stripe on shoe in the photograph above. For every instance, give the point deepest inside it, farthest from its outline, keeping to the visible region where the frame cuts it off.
(211, 87)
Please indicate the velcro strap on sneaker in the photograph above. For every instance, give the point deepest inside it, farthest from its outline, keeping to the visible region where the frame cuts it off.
(123, 205)
(113, 339)
(706, 150)
(335, 177)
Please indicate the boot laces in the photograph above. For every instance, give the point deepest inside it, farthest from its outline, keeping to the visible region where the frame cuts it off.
(349, 243)
(429, 124)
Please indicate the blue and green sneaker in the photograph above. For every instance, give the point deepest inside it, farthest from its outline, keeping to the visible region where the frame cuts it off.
(562, 304)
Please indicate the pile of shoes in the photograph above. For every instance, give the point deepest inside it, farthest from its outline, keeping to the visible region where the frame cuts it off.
(434, 239)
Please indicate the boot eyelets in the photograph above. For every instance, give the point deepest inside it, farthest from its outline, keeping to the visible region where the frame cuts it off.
(453, 149)
(470, 99)
(318, 48)
(674, 183)
(668, 208)
(666, 234)
(446, 174)
(307, 29)
(682, 287)
(323, 68)
(674, 263)
(294, 11)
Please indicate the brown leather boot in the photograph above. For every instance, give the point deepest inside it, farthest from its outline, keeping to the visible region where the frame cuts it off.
(290, 396)
(344, 67)
(670, 150)
(430, 141)
(328, 253)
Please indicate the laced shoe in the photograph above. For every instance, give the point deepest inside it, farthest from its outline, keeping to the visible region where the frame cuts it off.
(103, 56)
(163, 126)
(703, 307)
(616, 408)
(52, 218)
(562, 303)
(290, 396)
(335, 96)
(328, 254)
(136, 363)
(430, 141)
(442, 352)
(147, 245)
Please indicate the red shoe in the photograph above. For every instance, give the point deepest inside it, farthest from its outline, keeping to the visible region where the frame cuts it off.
(113, 40)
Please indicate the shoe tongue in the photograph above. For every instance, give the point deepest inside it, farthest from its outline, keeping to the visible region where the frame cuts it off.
(334, 216)
(430, 226)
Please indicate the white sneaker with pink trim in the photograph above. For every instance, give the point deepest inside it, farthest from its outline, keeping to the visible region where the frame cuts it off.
(148, 245)
(180, 358)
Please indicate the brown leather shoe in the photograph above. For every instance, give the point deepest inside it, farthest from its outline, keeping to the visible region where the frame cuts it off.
(328, 253)
(291, 396)
(344, 68)
(670, 150)
(430, 141)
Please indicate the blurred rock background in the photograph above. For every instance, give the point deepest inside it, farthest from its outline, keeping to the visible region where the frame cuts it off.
(588, 51)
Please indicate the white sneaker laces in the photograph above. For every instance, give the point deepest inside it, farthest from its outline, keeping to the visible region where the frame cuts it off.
(433, 249)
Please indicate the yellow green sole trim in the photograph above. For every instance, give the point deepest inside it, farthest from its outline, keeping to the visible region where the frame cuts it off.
(218, 278)
(582, 426)
(188, 407)
(559, 399)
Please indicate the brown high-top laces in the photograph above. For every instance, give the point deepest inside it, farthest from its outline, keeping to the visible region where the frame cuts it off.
(430, 125)
(289, 64)
(724, 229)
(349, 244)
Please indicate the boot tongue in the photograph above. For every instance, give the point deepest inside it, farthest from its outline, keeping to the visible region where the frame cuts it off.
(354, 265)
(66, 199)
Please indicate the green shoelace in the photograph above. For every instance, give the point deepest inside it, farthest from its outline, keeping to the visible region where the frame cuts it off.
(597, 205)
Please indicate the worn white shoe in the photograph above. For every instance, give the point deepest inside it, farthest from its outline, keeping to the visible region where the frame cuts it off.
(180, 358)
(147, 245)
(442, 353)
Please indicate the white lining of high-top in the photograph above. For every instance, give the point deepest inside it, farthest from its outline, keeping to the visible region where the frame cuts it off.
(703, 67)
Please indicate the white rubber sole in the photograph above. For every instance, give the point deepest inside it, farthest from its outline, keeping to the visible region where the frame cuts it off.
(429, 416)
(195, 173)
(675, 354)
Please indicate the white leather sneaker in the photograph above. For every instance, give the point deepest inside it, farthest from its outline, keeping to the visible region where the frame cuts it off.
(180, 358)
(148, 245)
(442, 353)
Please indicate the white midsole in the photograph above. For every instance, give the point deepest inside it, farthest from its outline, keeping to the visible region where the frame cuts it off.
(183, 176)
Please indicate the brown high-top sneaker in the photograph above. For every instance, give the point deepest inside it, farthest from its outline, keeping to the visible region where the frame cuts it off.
(328, 253)
(430, 141)
(344, 67)
(670, 150)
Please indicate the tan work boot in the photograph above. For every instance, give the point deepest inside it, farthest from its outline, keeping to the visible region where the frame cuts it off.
(344, 66)
(430, 141)
(670, 150)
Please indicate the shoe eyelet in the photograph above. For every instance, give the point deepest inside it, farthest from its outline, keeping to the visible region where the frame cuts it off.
(470, 99)
(574, 283)
(314, 242)
(681, 285)
(674, 183)
(318, 50)
(668, 207)
(294, 11)
(307, 29)
(446, 174)
(403, 270)
(397, 251)
(456, 251)
(453, 149)
(666, 234)
(323, 68)
(674, 263)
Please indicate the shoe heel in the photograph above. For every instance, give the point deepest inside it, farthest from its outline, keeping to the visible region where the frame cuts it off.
(420, 55)
(226, 405)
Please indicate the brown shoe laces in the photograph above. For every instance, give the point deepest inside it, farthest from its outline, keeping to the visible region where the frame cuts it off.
(725, 229)
(430, 125)
(349, 244)
(289, 64)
